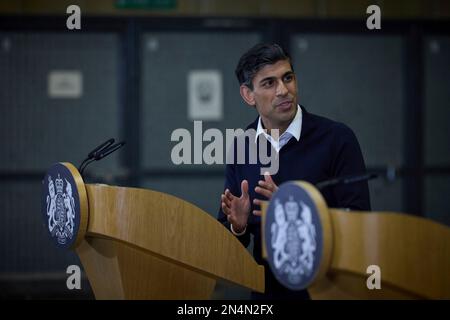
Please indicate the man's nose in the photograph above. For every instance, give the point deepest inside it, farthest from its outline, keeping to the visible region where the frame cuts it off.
(282, 90)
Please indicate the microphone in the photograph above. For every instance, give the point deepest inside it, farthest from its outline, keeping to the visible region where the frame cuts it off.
(104, 145)
(103, 153)
(346, 180)
(103, 150)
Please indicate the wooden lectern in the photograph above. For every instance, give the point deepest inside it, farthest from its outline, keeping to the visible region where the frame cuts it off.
(142, 244)
(412, 254)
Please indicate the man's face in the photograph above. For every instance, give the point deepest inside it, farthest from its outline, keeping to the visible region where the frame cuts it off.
(274, 94)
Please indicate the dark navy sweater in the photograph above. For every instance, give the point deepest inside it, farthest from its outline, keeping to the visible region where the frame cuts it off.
(326, 149)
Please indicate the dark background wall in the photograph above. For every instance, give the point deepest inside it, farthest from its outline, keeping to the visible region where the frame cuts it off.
(391, 86)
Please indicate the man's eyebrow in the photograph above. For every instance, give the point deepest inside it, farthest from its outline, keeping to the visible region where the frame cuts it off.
(288, 73)
(267, 79)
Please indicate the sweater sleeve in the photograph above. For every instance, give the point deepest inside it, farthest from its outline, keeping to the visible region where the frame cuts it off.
(348, 161)
(232, 183)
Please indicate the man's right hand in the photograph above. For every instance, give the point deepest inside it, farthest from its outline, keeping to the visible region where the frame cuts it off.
(237, 209)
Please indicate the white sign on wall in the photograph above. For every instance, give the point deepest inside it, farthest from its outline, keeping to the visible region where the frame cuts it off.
(205, 95)
(65, 84)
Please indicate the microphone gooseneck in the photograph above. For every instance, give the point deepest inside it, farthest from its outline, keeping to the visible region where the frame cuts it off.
(100, 152)
(345, 180)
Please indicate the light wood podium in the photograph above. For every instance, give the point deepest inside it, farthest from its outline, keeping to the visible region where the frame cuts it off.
(412, 253)
(142, 244)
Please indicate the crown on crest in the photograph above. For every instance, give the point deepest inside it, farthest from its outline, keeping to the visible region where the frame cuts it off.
(59, 184)
(291, 208)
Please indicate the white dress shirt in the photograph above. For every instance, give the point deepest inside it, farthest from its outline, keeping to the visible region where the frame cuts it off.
(294, 130)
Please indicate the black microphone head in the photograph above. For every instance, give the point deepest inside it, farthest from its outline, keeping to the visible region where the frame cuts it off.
(103, 153)
(97, 150)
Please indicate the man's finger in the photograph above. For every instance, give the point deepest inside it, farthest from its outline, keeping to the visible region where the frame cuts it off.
(257, 202)
(229, 195)
(268, 177)
(266, 185)
(266, 193)
(257, 212)
(225, 209)
(244, 188)
(225, 200)
(269, 180)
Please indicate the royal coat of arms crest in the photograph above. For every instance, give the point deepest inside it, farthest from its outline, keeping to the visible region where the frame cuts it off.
(60, 209)
(293, 240)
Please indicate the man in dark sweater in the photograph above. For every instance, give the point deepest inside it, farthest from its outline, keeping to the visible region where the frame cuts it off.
(309, 148)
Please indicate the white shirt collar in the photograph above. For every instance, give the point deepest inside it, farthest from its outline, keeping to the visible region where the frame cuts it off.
(294, 130)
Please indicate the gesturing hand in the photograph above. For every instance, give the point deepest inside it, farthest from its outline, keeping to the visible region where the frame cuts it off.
(237, 209)
(266, 188)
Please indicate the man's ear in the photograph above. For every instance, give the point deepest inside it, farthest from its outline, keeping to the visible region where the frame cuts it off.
(247, 95)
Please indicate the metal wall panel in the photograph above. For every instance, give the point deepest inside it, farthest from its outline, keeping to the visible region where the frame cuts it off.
(37, 130)
(437, 97)
(167, 58)
(384, 195)
(357, 80)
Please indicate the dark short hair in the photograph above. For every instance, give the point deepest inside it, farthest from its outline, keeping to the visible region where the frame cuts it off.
(256, 58)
